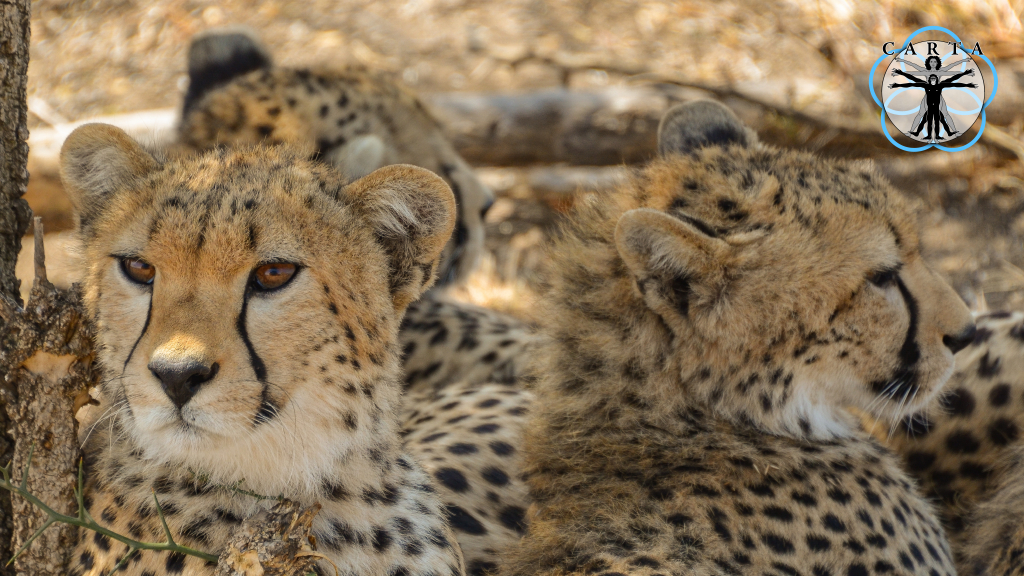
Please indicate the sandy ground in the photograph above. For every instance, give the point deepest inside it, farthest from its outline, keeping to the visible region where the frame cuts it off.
(109, 56)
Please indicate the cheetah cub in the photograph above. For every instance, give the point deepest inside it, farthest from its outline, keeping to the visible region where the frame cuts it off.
(246, 303)
(710, 323)
(358, 121)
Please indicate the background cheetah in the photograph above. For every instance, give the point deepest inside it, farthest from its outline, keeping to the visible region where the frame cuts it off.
(710, 323)
(964, 445)
(198, 270)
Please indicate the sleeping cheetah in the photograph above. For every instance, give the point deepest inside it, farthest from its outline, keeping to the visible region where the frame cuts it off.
(955, 446)
(358, 122)
(247, 303)
(710, 323)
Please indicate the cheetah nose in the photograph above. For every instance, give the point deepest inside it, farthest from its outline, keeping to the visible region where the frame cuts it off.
(181, 380)
(960, 341)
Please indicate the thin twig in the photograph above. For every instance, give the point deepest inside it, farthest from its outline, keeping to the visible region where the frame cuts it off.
(84, 520)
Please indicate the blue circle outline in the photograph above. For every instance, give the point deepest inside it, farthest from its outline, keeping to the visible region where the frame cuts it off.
(874, 96)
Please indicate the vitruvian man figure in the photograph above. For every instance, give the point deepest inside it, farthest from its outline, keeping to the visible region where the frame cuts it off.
(933, 107)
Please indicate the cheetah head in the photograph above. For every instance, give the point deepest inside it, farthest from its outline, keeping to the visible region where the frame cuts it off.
(794, 285)
(247, 300)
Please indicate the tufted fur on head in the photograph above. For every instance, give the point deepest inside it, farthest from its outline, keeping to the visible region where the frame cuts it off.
(994, 533)
(710, 323)
(739, 277)
(205, 224)
(353, 119)
(219, 374)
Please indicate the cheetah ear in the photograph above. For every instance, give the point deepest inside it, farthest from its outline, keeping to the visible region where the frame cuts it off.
(359, 156)
(98, 160)
(678, 267)
(687, 127)
(217, 56)
(412, 211)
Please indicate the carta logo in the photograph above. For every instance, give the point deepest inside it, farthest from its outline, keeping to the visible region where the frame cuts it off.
(933, 91)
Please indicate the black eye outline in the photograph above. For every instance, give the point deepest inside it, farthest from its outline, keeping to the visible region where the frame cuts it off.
(255, 284)
(125, 262)
(884, 278)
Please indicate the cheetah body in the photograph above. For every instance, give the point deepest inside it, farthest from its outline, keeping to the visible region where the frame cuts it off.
(964, 448)
(223, 390)
(710, 323)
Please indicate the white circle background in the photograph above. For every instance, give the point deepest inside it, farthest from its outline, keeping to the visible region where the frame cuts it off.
(903, 104)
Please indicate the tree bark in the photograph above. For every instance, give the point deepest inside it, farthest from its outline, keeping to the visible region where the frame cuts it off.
(275, 542)
(14, 212)
(46, 357)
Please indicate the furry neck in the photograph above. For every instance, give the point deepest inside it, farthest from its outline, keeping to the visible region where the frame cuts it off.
(290, 456)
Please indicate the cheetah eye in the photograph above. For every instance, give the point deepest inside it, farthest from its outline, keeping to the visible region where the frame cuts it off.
(138, 270)
(272, 276)
(883, 278)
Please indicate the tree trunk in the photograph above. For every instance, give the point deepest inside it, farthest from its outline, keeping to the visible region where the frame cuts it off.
(46, 357)
(14, 212)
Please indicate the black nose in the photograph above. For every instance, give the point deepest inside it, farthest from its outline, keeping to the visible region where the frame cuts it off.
(181, 380)
(961, 340)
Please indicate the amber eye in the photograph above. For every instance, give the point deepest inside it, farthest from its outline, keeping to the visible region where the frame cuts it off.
(883, 278)
(273, 276)
(138, 271)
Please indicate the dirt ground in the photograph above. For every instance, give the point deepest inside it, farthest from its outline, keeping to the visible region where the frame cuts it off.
(98, 57)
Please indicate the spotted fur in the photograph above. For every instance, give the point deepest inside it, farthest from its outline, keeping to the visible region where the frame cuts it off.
(218, 390)
(993, 543)
(354, 119)
(710, 322)
(445, 342)
(957, 447)
(468, 437)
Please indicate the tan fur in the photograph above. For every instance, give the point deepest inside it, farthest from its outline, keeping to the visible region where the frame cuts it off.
(994, 535)
(305, 394)
(446, 342)
(709, 323)
(961, 446)
(334, 112)
(468, 437)
(358, 121)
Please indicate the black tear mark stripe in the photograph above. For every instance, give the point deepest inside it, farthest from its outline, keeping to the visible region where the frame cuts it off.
(910, 353)
(267, 409)
(145, 326)
(904, 379)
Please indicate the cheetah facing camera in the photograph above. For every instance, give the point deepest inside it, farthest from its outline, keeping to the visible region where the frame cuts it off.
(711, 322)
(351, 118)
(246, 304)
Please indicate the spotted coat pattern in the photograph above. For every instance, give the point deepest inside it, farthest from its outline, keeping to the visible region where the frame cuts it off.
(468, 437)
(223, 391)
(710, 323)
(959, 448)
